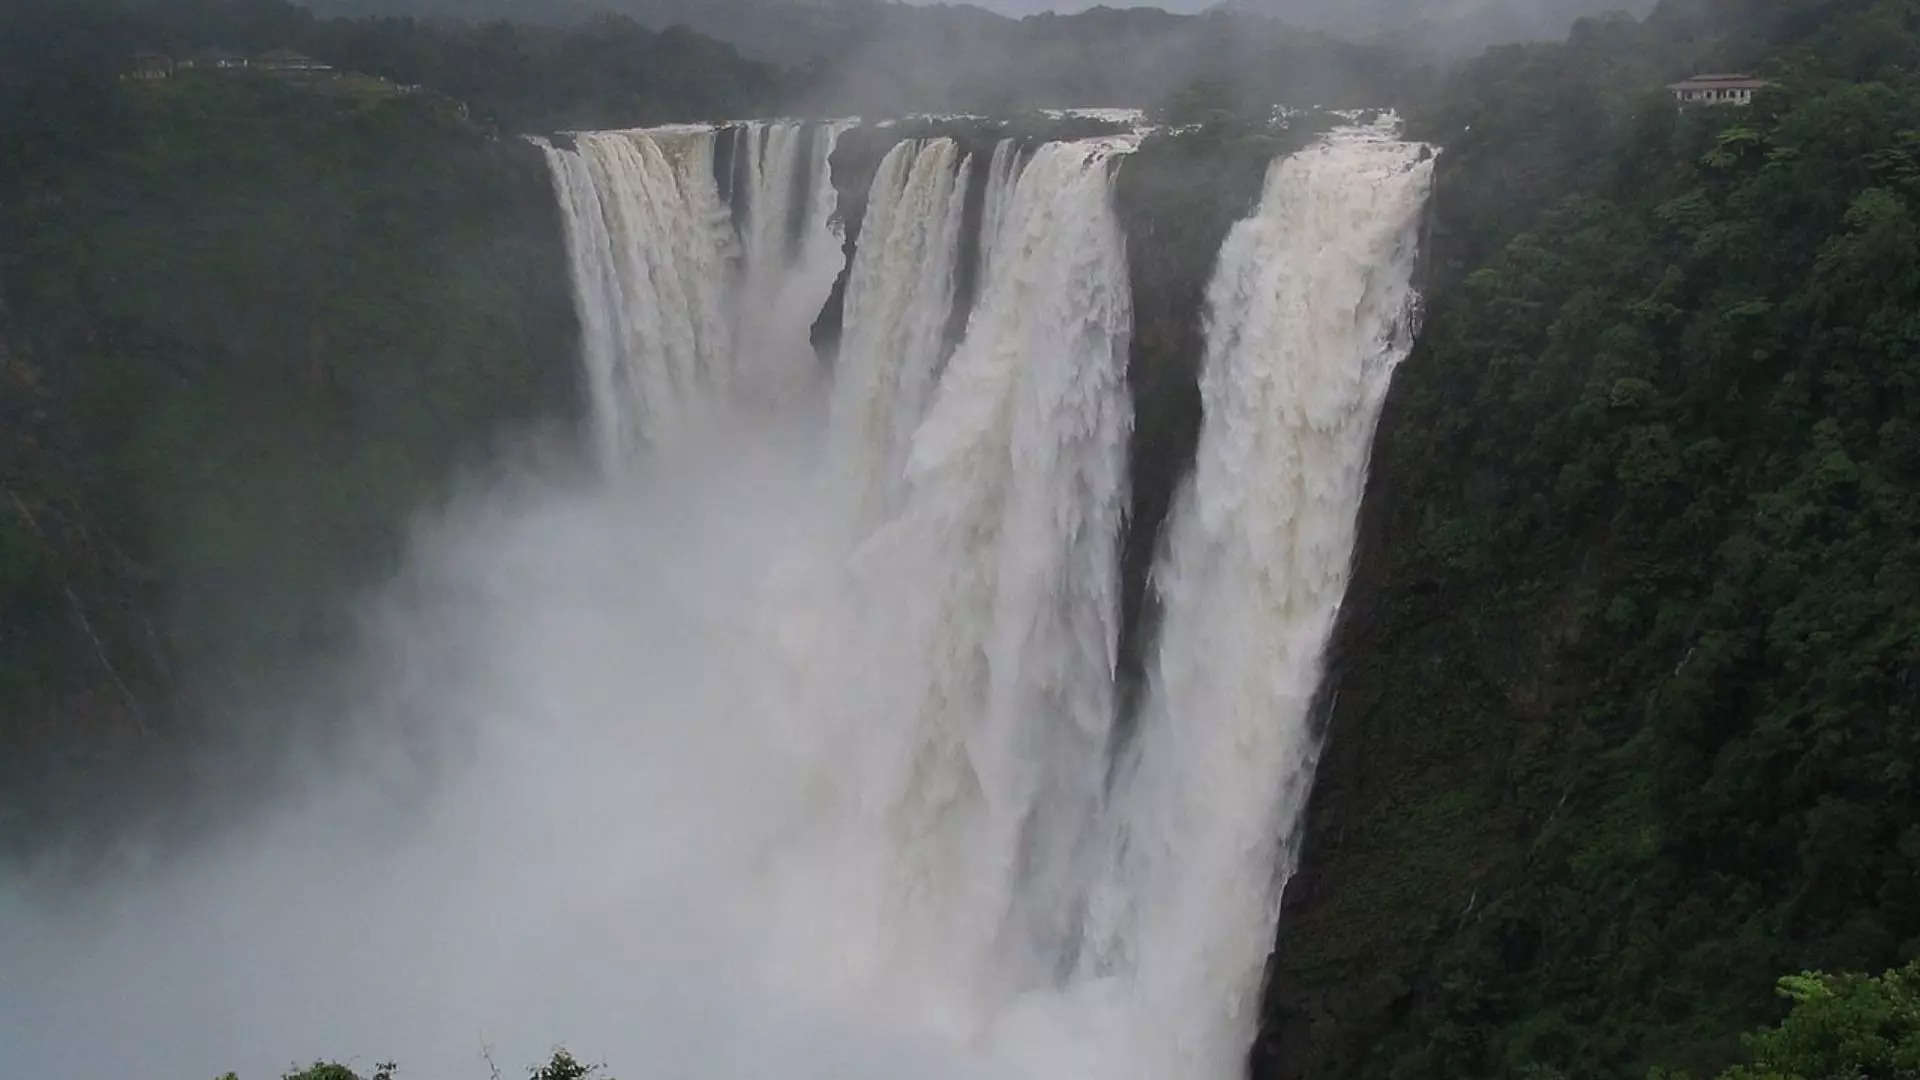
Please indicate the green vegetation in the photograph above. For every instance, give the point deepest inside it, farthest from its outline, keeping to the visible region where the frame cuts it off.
(607, 71)
(322, 1070)
(247, 326)
(886, 58)
(606, 65)
(1839, 1026)
(562, 1066)
(1624, 703)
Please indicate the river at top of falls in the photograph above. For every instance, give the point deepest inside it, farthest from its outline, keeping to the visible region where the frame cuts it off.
(783, 741)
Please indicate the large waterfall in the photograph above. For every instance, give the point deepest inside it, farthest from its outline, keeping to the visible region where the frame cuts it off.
(781, 738)
(974, 857)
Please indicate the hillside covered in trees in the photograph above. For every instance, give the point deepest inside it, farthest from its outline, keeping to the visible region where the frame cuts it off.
(888, 56)
(247, 326)
(1623, 713)
(549, 67)
(515, 77)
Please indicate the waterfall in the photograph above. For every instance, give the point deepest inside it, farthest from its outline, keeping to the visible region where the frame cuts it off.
(1046, 356)
(975, 854)
(1310, 309)
(1005, 167)
(984, 612)
(791, 256)
(899, 295)
(649, 241)
(673, 297)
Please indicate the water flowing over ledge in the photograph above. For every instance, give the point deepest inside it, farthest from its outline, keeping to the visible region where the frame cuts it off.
(684, 305)
(994, 862)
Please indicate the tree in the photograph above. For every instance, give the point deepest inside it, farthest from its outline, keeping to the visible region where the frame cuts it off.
(564, 1066)
(1840, 1026)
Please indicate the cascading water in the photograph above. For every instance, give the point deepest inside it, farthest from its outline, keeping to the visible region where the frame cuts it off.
(1021, 464)
(1310, 310)
(899, 295)
(650, 242)
(982, 614)
(672, 299)
(1007, 160)
(985, 868)
(984, 865)
(791, 255)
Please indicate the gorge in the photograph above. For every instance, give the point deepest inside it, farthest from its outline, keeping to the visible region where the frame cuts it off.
(792, 729)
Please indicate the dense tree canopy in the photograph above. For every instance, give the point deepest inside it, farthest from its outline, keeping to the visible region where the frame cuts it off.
(608, 71)
(247, 325)
(1847, 1025)
(1627, 704)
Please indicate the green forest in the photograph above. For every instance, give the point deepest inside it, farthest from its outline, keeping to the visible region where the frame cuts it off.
(606, 72)
(1622, 708)
(246, 327)
(1623, 713)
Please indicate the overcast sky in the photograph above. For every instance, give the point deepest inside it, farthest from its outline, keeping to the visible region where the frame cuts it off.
(1028, 7)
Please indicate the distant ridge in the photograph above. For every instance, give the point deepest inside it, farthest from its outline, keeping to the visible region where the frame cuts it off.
(1444, 26)
(850, 56)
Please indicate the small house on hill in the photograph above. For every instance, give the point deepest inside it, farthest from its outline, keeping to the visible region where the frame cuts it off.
(214, 60)
(1725, 89)
(288, 60)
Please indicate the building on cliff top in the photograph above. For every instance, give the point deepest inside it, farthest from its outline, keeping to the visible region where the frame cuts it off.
(288, 60)
(1731, 89)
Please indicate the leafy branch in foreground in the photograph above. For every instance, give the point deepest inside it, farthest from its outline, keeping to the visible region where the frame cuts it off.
(1846, 1025)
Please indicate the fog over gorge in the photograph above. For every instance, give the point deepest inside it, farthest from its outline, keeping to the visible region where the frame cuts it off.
(1496, 19)
(569, 843)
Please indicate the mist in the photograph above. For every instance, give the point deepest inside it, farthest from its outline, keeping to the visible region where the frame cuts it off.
(1493, 20)
(556, 822)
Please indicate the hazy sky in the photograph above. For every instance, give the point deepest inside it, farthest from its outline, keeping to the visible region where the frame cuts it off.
(1028, 7)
